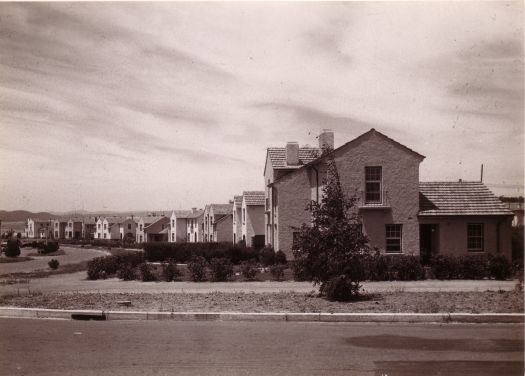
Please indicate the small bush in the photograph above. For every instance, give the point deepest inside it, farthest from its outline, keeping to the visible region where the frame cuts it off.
(12, 248)
(248, 270)
(50, 247)
(445, 267)
(300, 273)
(110, 265)
(197, 268)
(499, 267)
(473, 267)
(53, 264)
(170, 271)
(127, 273)
(277, 272)
(339, 289)
(146, 273)
(280, 257)
(267, 256)
(408, 268)
(221, 269)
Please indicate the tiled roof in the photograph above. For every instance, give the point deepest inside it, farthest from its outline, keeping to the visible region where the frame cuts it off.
(458, 198)
(151, 219)
(238, 201)
(223, 218)
(221, 208)
(254, 197)
(306, 155)
(112, 220)
(196, 214)
(181, 213)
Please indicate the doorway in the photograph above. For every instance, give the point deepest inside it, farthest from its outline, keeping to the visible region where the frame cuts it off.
(428, 242)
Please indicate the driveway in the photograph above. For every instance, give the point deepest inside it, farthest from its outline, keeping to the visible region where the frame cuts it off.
(78, 282)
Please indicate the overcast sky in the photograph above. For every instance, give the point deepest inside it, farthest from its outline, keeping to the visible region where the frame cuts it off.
(128, 106)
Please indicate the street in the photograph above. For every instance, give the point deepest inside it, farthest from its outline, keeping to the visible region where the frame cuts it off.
(57, 347)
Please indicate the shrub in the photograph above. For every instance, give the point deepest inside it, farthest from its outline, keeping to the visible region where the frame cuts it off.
(170, 271)
(110, 265)
(221, 269)
(197, 268)
(517, 247)
(499, 267)
(445, 267)
(127, 273)
(53, 264)
(50, 247)
(280, 257)
(300, 272)
(146, 272)
(184, 252)
(258, 241)
(378, 267)
(248, 270)
(277, 272)
(267, 256)
(340, 289)
(407, 268)
(12, 248)
(473, 267)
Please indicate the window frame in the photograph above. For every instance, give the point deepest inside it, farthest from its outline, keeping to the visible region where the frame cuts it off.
(477, 237)
(389, 236)
(373, 181)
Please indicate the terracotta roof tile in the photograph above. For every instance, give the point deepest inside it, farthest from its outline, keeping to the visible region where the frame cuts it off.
(306, 155)
(458, 198)
(254, 197)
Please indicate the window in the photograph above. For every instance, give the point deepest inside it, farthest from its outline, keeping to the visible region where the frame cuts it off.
(394, 235)
(129, 226)
(140, 238)
(140, 228)
(172, 237)
(105, 235)
(295, 239)
(475, 237)
(98, 226)
(373, 178)
(243, 216)
(172, 223)
(105, 226)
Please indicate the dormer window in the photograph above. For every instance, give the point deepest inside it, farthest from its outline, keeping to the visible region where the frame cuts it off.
(373, 184)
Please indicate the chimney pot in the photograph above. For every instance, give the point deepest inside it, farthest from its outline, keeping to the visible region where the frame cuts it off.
(326, 139)
(292, 153)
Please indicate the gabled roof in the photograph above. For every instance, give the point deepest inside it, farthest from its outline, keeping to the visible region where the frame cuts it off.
(253, 197)
(196, 214)
(237, 200)
(112, 220)
(458, 198)
(223, 218)
(221, 208)
(181, 213)
(306, 155)
(148, 220)
(354, 141)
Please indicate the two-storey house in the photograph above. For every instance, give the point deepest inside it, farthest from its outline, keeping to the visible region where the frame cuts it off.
(252, 218)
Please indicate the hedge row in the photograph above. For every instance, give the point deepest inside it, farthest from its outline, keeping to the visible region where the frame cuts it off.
(103, 243)
(471, 267)
(184, 252)
(104, 267)
(380, 267)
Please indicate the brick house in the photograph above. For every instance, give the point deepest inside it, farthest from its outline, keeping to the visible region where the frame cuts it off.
(178, 226)
(383, 176)
(157, 231)
(460, 218)
(74, 228)
(216, 218)
(252, 217)
(59, 228)
(195, 225)
(144, 222)
(39, 229)
(236, 219)
(128, 229)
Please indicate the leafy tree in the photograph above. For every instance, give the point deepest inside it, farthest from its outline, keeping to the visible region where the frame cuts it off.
(332, 250)
(12, 248)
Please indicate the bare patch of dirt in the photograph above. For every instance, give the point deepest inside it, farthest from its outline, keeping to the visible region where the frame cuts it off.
(415, 302)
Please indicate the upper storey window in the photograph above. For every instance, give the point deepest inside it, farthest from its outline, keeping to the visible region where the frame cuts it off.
(373, 184)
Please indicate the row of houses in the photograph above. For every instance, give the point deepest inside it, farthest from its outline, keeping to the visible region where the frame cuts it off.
(400, 214)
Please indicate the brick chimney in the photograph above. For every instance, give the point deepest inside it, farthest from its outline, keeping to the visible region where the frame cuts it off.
(193, 210)
(326, 139)
(292, 153)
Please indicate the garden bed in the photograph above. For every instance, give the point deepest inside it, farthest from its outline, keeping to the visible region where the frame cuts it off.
(415, 302)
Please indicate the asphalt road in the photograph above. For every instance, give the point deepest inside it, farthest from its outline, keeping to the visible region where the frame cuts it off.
(56, 347)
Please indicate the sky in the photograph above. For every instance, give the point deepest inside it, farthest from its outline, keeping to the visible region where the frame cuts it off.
(160, 106)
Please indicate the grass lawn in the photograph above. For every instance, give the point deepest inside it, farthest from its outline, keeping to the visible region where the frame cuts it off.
(416, 302)
(7, 260)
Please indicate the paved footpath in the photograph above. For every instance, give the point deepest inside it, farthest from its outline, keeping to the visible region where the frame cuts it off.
(77, 282)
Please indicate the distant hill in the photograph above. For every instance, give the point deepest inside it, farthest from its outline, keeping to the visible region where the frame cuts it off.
(22, 215)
